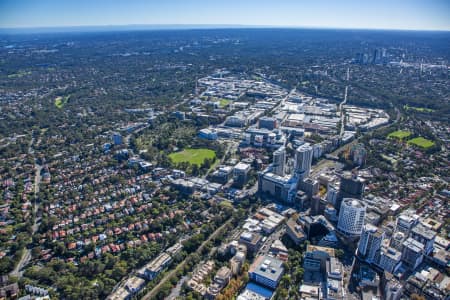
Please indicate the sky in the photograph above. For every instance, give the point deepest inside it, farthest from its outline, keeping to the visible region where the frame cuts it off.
(366, 14)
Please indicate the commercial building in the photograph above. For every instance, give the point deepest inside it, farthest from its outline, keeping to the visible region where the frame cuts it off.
(303, 160)
(405, 222)
(316, 258)
(251, 240)
(267, 123)
(370, 242)
(295, 231)
(351, 217)
(266, 271)
(425, 236)
(223, 174)
(323, 274)
(309, 186)
(281, 188)
(393, 289)
(241, 174)
(389, 259)
(412, 255)
(279, 161)
(207, 134)
(352, 186)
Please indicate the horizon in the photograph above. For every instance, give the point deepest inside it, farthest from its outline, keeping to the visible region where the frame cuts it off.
(174, 27)
(412, 15)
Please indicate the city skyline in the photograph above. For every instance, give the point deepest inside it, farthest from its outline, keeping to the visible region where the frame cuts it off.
(348, 14)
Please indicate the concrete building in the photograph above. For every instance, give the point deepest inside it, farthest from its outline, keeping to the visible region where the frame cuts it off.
(281, 188)
(251, 240)
(223, 276)
(351, 186)
(370, 242)
(303, 160)
(351, 217)
(316, 258)
(397, 240)
(152, 269)
(295, 231)
(267, 123)
(412, 255)
(241, 171)
(236, 262)
(393, 289)
(207, 134)
(425, 236)
(310, 186)
(266, 271)
(223, 174)
(389, 259)
(405, 222)
(279, 161)
(358, 154)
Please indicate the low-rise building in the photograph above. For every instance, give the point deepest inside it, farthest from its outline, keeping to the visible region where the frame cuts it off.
(295, 231)
(156, 266)
(251, 240)
(266, 271)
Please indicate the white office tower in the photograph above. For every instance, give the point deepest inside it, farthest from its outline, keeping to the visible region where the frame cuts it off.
(351, 217)
(279, 161)
(303, 160)
(370, 242)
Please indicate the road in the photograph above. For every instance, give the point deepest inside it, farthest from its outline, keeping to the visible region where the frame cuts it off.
(152, 294)
(26, 256)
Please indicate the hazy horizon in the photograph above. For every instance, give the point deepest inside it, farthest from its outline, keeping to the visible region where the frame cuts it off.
(321, 14)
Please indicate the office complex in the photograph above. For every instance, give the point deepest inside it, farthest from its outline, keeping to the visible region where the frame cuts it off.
(303, 160)
(279, 161)
(266, 271)
(351, 217)
(370, 242)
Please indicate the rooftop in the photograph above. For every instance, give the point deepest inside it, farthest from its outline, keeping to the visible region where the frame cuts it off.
(268, 267)
(312, 248)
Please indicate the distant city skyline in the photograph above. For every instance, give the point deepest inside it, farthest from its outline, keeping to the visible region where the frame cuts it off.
(349, 14)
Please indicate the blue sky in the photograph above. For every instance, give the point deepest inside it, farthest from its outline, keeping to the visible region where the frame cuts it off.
(386, 14)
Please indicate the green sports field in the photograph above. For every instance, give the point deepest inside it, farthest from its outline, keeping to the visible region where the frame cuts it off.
(399, 134)
(61, 101)
(192, 156)
(421, 142)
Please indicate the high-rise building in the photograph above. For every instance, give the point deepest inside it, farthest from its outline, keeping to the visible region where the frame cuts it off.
(389, 258)
(358, 154)
(424, 235)
(303, 160)
(412, 255)
(405, 222)
(241, 171)
(279, 161)
(393, 289)
(351, 186)
(351, 217)
(370, 242)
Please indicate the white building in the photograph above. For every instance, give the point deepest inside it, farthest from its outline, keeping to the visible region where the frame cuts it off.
(279, 161)
(351, 217)
(303, 160)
